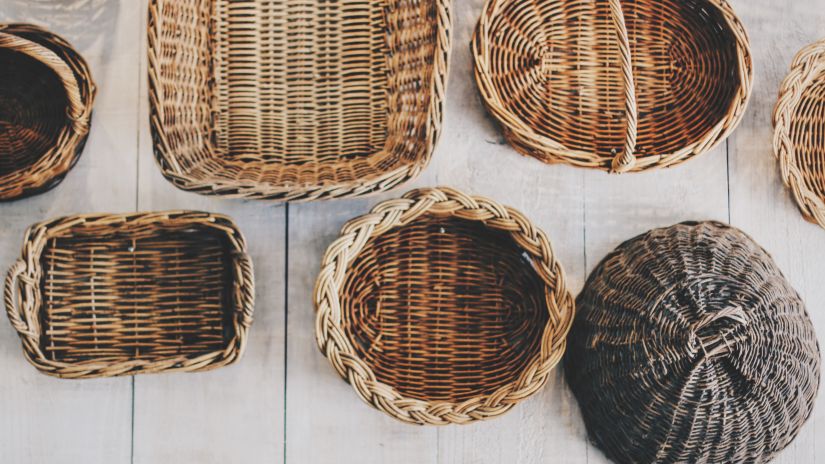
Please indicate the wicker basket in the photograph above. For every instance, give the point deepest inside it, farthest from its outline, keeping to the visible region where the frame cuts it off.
(799, 138)
(690, 346)
(442, 308)
(296, 100)
(46, 96)
(108, 295)
(615, 85)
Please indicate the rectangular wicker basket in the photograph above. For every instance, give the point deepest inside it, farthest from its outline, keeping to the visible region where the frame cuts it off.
(108, 295)
(296, 100)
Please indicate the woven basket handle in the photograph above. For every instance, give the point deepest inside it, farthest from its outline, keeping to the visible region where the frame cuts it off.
(76, 110)
(12, 308)
(625, 160)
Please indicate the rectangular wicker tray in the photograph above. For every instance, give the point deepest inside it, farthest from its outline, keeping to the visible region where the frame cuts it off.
(106, 295)
(296, 100)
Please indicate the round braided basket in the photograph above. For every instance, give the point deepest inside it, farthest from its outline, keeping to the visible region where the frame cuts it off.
(442, 308)
(46, 95)
(616, 85)
(799, 136)
(690, 346)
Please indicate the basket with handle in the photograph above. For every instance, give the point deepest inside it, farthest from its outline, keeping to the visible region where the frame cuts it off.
(108, 295)
(615, 85)
(296, 100)
(799, 123)
(46, 97)
(442, 308)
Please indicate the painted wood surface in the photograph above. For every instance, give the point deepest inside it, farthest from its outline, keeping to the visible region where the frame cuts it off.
(283, 402)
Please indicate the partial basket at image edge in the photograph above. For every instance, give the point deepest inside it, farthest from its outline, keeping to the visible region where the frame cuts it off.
(46, 98)
(296, 101)
(799, 131)
(108, 295)
(613, 85)
(442, 308)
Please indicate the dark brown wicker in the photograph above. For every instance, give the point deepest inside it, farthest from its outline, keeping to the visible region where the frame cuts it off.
(690, 346)
(46, 96)
(442, 308)
(107, 295)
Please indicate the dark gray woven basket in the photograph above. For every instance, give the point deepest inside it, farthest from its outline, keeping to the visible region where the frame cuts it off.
(690, 346)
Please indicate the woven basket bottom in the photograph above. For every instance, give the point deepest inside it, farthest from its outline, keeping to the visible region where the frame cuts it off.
(807, 132)
(116, 297)
(444, 309)
(32, 110)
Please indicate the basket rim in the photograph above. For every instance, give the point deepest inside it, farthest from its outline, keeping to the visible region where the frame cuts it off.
(23, 309)
(75, 75)
(807, 65)
(385, 216)
(165, 157)
(526, 140)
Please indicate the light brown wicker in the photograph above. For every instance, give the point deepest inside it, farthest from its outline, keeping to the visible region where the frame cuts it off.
(296, 100)
(799, 136)
(108, 295)
(442, 308)
(615, 85)
(690, 345)
(46, 96)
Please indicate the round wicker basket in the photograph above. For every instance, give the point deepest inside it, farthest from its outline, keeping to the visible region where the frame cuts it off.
(690, 346)
(46, 95)
(611, 84)
(799, 138)
(442, 308)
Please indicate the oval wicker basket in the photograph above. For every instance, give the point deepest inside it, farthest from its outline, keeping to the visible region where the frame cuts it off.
(46, 96)
(109, 295)
(613, 84)
(799, 136)
(296, 100)
(689, 345)
(442, 308)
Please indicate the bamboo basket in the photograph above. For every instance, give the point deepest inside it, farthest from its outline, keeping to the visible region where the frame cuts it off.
(799, 136)
(690, 345)
(442, 308)
(110, 295)
(615, 85)
(46, 96)
(296, 101)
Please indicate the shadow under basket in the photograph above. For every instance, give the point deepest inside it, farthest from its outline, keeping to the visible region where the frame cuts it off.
(442, 308)
(799, 136)
(616, 85)
(296, 101)
(109, 295)
(46, 96)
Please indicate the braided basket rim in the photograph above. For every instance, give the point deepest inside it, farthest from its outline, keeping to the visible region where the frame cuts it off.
(525, 139)
(165, 156)
(808, 64)
(59, 159)
(24, 280)
(335, 345)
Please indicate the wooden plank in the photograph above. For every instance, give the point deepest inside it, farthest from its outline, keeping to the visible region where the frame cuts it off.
(233, 414)
(760, 204)
(48, 420)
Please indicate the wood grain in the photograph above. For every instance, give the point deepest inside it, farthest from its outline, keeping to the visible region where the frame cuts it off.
(283, 402)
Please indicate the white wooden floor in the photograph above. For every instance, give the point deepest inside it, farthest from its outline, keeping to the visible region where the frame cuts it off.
(283, 402)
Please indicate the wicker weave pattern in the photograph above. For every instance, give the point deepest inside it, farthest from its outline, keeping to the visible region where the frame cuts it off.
(442, 308)
(611, 84)
(107, 295)
(799, 137)
(46, 96)
(296, 100)
(690, 346)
